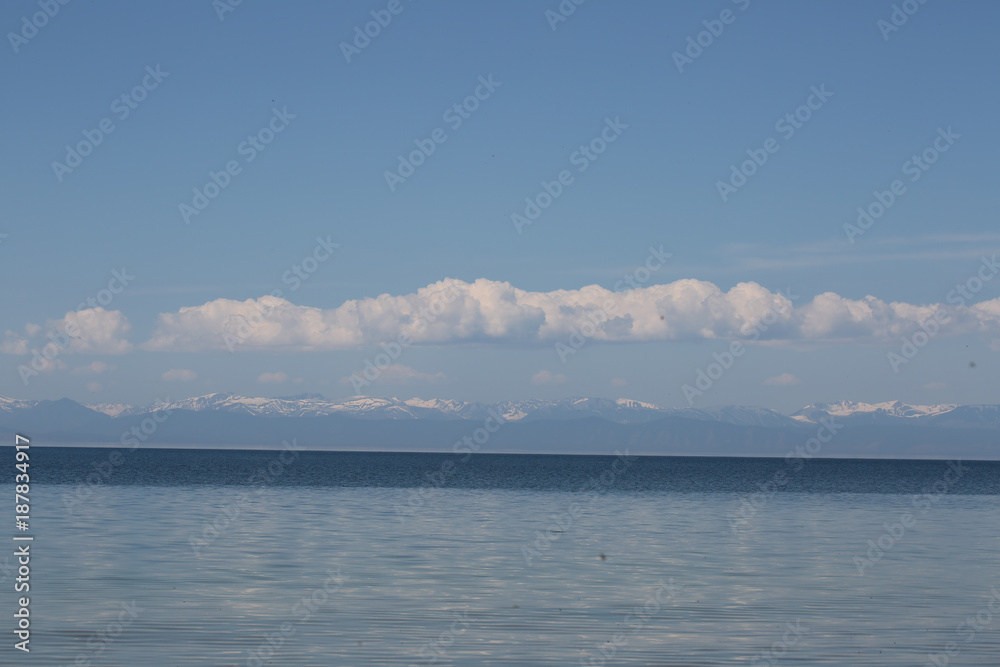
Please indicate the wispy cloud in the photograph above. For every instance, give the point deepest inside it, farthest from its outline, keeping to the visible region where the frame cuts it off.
(400, 374)
(179, 375)
(93, 368)
(547, 377)
(783, 380)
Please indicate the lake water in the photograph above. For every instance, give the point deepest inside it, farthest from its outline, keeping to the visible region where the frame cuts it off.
(188, 557)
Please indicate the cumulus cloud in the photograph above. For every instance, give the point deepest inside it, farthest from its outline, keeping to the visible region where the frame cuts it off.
(272, 378)
(399, 374)
(486, 311)
(179, 375)
(546, 377)
(783, 380)
(85, 331)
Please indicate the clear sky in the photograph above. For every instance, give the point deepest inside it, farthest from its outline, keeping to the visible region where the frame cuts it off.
(643, 125)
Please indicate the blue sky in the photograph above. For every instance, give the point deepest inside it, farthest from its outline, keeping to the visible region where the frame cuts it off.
(343, 125)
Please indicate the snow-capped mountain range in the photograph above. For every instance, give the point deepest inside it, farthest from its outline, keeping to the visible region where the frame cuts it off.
(619, 410)
(812, 413)
(569, 425)
(370, 407)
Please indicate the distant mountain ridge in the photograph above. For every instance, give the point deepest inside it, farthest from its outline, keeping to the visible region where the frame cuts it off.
(370, 407)
(874, 411)
(568, 425)
(620, 410)
(898, 413)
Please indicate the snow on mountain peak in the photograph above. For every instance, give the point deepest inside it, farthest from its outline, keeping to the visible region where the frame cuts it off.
(631, 403)
(845, 409)
(621, 410)
(11, 404)
(111, 409)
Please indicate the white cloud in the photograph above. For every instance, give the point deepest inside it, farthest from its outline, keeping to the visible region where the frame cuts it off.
(618, 382)
(399, 374)
(545, 377)
(93, 368)
(783, 380)
(14, 344)
(272, 378)
(93, 387)
(87, 331)
(486, 311)
(179, 375)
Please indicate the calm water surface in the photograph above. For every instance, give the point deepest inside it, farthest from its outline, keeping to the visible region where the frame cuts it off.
(401, 559)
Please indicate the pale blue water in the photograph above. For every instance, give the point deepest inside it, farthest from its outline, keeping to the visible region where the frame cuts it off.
(449, 582)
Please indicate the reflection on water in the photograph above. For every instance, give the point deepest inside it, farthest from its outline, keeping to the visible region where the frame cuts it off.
(503, 572)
